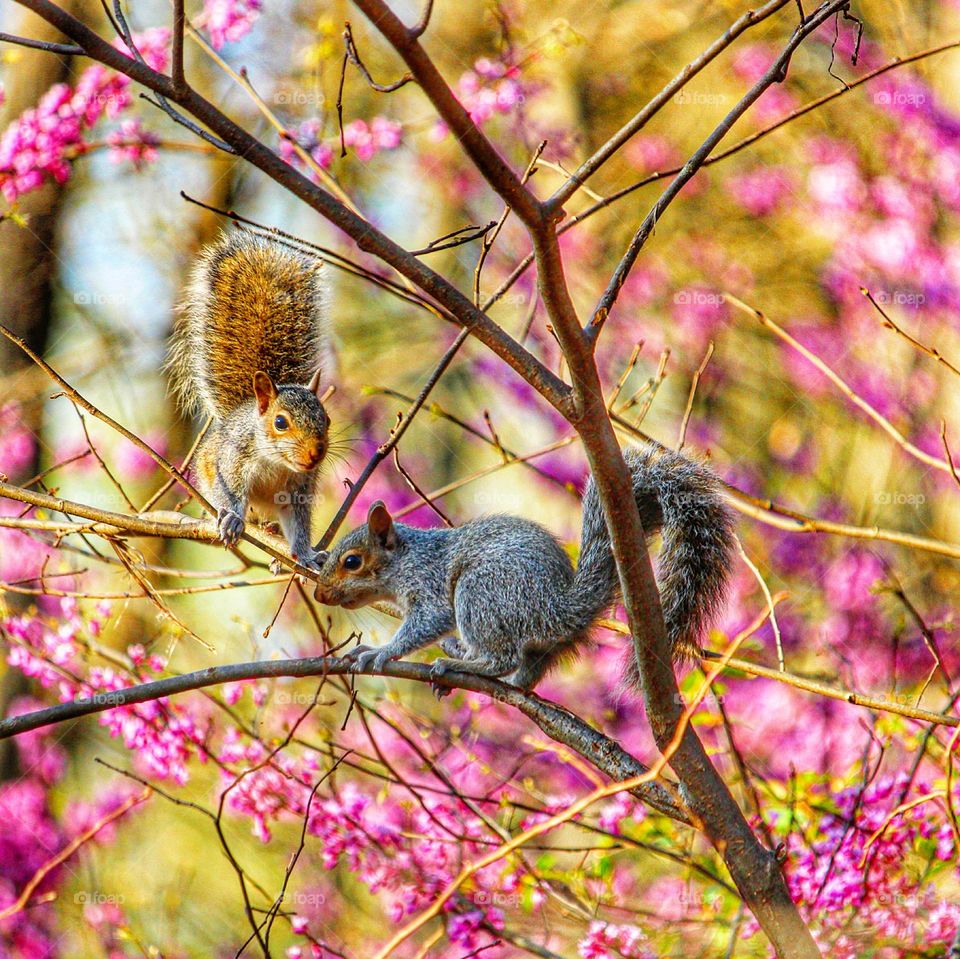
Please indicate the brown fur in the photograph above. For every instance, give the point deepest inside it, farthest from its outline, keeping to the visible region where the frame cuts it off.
(251, 304)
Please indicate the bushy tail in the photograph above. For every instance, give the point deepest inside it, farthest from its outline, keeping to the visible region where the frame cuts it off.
(251, 304)
(682, 500)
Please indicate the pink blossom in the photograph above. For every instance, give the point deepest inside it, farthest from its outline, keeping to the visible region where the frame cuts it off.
(132, 142)
(849, 580)
(492, 87)
(761, 191)
(367, 140)
(649, 152)
(133, 463)
(39, 145)
(226, 21)
(753, 60)
(836, 186)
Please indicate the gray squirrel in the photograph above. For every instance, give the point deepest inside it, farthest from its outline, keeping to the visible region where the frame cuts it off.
(247, 352)
(501, 593)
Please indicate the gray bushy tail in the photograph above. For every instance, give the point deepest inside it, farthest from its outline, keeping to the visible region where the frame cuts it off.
(682, 500)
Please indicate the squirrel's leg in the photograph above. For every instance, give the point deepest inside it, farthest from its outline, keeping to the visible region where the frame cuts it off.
(477, 666)
(295, 516)
(418, 630)
(230, 517)
(231, 504)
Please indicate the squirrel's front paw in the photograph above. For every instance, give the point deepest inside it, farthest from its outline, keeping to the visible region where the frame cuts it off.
(313, 560)
(363, 657)
(230, 526)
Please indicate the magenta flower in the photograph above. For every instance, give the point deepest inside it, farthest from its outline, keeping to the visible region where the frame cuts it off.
(132, 142)
(761, 191)
(40, 144)
(226, 21)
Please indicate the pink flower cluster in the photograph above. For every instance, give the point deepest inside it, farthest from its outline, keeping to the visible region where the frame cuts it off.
(226, 21)
(162, 734)
(492, 87)
(31, 834)
(17, 444)
(845, 899)
(366, 140)
(39, 145)
(608, 941)
(131, 142)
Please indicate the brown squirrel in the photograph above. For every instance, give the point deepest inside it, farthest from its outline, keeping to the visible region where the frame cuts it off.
(246, 351)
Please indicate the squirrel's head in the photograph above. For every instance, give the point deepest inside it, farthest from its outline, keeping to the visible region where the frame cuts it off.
(294, 422)
(354, 572)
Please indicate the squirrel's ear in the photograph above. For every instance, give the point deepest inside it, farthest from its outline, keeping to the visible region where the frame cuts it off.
(314, 384)
(264, 390)
(380, 525)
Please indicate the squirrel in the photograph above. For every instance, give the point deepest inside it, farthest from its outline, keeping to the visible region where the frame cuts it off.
(246, 351)
(506, 587)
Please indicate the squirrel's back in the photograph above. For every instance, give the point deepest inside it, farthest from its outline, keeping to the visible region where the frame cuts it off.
(251, 304)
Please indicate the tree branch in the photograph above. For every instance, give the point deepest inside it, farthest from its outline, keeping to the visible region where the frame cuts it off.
(643, 117)
(63, 49)
(367, 237)
(774, 74)
(559, 724)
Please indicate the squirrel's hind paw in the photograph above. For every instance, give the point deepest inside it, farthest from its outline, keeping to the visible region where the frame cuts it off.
(230, 526)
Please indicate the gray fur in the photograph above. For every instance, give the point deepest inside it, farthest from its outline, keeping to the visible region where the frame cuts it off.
(507, 588)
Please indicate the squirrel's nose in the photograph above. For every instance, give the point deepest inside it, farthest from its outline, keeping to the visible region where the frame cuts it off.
(315, 454)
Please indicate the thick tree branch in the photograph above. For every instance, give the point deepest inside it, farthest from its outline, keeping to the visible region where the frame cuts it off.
(559, 724)
(496, 171)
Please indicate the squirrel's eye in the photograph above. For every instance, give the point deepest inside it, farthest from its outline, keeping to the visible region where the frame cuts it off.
(352, 562)
(280, 423)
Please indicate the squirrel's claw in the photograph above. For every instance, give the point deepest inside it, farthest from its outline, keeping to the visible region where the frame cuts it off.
(230, 526)
(439, 667)
(363, 657)
(314, 561)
